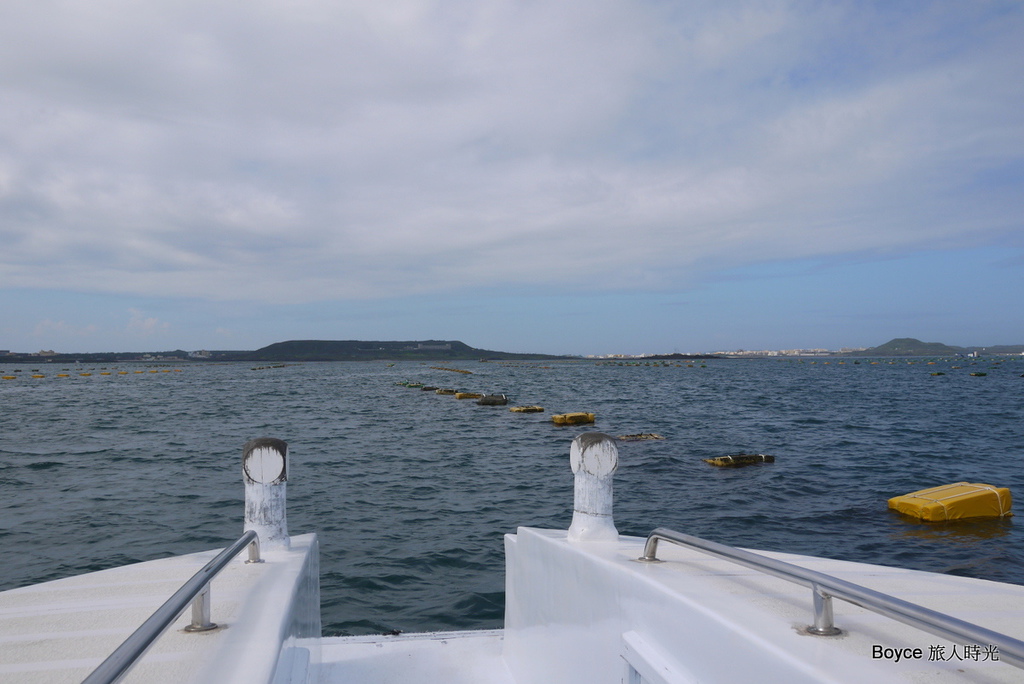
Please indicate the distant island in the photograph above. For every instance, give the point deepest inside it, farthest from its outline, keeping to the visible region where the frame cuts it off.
(299, 350)
(454, 350)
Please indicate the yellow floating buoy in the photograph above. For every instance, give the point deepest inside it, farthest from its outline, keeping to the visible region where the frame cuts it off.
(105, 373)
(63, 375)
(955, 502)
(739, 460)
(85, 374)
(39, 376)
(527, 409)
(10, 377)
(468, 395)
(578, 418)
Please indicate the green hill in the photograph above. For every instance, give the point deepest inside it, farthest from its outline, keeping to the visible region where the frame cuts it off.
(908, 346)
(364, 350)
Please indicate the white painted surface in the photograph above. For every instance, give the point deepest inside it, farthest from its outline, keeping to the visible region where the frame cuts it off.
(60, 631)
(430, 658)
(580, 613)
(266, 494)
(265, 465)
(594, 458)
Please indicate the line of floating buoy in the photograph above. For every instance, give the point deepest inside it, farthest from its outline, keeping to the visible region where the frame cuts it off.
(84, 374)
(649, 364)
(453, 370)
(574, 418)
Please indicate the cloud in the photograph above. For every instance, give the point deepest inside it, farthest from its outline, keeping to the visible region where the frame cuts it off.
(315, 150)
(145, 326)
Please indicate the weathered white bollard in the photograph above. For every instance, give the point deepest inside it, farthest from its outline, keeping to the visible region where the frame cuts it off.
(593, 457)
(265, 471)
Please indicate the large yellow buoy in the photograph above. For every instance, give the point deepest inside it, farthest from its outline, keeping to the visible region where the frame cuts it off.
(955, 501)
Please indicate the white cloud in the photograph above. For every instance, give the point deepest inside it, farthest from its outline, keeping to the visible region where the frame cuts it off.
(319, 150)
(145, 326)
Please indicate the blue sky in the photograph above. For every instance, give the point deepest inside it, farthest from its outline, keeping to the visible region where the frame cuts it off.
(591, 178)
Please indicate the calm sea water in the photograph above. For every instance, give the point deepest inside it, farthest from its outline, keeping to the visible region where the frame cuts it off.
(411, 492)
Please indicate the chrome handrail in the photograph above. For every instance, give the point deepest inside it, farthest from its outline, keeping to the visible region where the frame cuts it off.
(195, 591)
(824, 587)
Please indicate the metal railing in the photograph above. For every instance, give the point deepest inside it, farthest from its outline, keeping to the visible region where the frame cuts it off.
(195, 591)
(825, 587)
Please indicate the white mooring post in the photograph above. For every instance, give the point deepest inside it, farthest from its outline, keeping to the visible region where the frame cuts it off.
(593, 457)
(265, 471)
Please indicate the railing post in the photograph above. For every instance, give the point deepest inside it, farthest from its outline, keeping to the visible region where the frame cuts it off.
(593, 457)
(823, 621)
(201, 613)
(265, 471)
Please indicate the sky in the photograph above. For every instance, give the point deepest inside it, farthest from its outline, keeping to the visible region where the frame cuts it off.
(609, 176)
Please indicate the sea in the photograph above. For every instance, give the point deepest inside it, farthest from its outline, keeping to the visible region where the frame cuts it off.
(411, 492)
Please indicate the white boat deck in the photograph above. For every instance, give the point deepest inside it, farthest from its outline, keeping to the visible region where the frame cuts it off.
(60, 631)
(708, 619)
(582, 613)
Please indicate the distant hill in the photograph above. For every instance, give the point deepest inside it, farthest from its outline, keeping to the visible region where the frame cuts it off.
(364, 350)
(908, 346)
